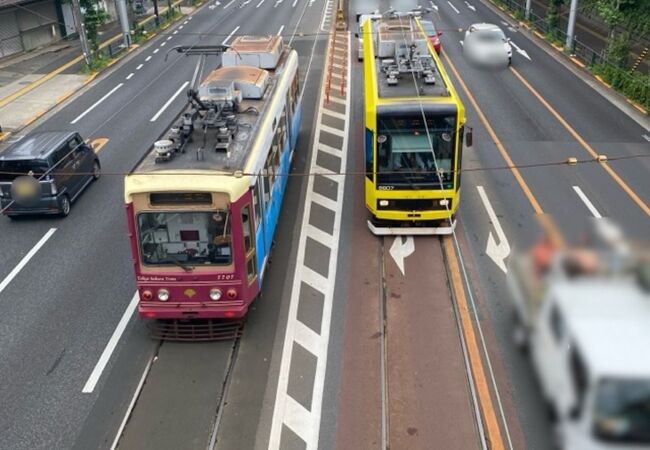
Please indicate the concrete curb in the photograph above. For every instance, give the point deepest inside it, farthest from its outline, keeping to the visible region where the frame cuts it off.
(579, 69)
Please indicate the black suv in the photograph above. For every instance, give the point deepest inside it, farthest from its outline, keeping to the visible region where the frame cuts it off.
(44, 172)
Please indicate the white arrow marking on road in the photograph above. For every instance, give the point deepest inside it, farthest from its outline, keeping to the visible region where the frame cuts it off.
(462, 43)
(498, 252)
(401, 249)
(434, 6)
(453, 7)
(520, 51)
(470, 6)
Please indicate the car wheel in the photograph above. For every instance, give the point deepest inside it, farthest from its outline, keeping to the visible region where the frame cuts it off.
(97, 171)
(509, 61)
(64, 206)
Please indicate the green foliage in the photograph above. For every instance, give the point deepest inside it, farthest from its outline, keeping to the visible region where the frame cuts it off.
(553, 17)
(635, 85)
(94, 17)
(98, 62)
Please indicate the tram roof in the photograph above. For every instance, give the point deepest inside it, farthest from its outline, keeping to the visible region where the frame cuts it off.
(388, 35)
(199, 155)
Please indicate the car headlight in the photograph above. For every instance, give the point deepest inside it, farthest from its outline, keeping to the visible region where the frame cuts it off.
(163, 295)
(215, 294)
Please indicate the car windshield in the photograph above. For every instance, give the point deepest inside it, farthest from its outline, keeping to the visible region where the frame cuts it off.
(428, 28)
(405, 147)
(9, 170)
(490, 36)
(185, 239)
(622, 411)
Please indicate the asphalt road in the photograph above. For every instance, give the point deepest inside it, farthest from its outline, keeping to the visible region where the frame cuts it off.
(60, 310)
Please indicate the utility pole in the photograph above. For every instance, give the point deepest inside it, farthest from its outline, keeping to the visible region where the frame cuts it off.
(528, 5)
(155, 11)
(81, 29)
(572, 25)
(124, 21)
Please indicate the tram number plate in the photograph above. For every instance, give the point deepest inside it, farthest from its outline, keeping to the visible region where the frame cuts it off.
(385, 188)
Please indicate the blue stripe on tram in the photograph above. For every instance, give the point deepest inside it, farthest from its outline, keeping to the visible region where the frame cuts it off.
(265, 232)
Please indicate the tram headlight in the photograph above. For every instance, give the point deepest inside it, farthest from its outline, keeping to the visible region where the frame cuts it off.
(444, 202)
(215, 294)
(383, 202)
(163, 295)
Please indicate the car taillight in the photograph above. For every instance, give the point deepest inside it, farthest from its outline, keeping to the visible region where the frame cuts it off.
(232, 293)
(147, 295)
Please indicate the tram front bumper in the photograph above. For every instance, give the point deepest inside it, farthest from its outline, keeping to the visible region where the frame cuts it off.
(194, 310)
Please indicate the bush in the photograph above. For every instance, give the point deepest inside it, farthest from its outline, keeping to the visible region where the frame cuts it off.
(634, 85)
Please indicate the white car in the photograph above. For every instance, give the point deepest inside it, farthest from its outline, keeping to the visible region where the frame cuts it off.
(486, 44)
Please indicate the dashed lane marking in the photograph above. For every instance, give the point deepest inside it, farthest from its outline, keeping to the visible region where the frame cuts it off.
(453, 7)
(590, 206)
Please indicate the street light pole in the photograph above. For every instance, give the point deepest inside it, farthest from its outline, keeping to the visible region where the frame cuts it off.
(527, 13)
(572, 25)
(81, 29)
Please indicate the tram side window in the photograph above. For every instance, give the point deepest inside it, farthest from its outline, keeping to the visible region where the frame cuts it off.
(295, 89)
(247, 225)
(256, 203)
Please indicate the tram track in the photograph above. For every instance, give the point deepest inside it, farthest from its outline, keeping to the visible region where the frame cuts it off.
(179, 374)
(427, 380)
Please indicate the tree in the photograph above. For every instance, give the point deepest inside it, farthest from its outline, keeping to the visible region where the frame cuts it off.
(94, 17)
(553, 16)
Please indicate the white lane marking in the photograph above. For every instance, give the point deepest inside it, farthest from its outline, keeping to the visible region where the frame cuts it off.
(181, 27)
(400, 249)
(646, 137)
(230, 35)
(163, 44)
(520, 51)
(166, 105)
(147, 59)
(453, 7)
(245, 3)
(128, 77)
(80, 116)
(434, 6)
(280, 30)
(590, 206)
(260, 3)
(169, 38)
(23, 262)
(504, 23)
(191, 17)
(295, 2)
(229, 3)
(139, 67)
(462, 43)
(175, 32)
(277, 3)
(470, 6)
(286, 411)
(497, 252)
(156, 51)
(110, 347)
(325, 16)
(185, 23)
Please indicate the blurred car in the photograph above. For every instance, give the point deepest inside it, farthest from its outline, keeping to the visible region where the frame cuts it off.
(486, 44)
(45, 172)
(432, 34)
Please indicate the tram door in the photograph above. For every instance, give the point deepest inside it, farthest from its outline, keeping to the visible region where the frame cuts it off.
(249, 244)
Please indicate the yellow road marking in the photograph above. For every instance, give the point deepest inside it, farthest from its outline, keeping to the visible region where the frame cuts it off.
(482, 388)
(628, 190)
(98, 143)
(544, 220)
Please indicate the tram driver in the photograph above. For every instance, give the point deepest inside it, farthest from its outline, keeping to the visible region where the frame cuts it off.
(219, 250)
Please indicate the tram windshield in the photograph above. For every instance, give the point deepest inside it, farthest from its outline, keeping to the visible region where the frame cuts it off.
(406, 147)
(185, 239)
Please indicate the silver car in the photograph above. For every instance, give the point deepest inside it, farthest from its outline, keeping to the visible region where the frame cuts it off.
(486, 44)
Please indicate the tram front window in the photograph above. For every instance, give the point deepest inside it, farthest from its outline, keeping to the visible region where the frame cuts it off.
(185, 239)
(406, 147)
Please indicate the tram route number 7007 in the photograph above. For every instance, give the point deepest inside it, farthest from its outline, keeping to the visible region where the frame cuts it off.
(385, 188)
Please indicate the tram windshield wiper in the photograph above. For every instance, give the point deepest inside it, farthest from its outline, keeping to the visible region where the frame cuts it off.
(185, 267)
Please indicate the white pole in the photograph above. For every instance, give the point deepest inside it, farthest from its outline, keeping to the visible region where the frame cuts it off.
(572, 24)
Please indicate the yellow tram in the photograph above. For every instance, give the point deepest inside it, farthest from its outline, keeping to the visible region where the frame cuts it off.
(414, 128)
